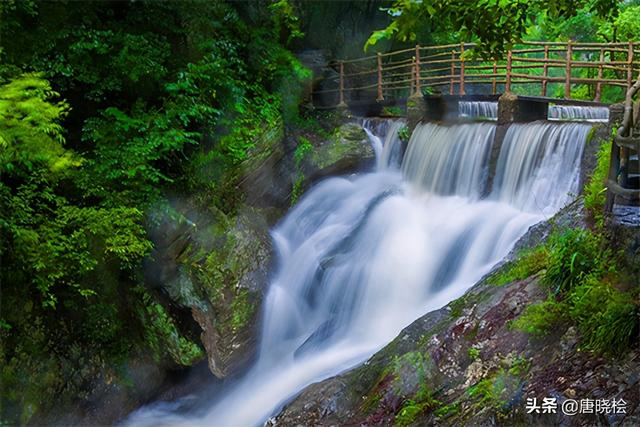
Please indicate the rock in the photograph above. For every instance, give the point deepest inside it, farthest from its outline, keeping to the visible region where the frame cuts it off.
(478, 369)
(348, 150)
(217, 268)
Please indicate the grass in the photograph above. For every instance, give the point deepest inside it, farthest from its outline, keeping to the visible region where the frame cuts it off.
(528, 263)
(595, 191)
(580, 275)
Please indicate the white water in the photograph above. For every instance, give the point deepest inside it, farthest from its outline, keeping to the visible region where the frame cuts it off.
(384, 137)
(484, 109)
(450, 160)
(360, 258)
(578, 112)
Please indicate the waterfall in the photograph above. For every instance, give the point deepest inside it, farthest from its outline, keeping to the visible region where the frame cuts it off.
(538, 167)
(483, 109)
(360, 258)
(454, 161)
(385, 140)
(578, 112)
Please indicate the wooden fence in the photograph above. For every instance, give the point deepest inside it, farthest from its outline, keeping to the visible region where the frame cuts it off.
(550, 69)
(624, 168)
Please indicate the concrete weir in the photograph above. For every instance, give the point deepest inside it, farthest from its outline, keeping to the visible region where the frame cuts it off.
(512, 108)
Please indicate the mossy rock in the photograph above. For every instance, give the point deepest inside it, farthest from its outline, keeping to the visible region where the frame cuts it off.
(347, 148)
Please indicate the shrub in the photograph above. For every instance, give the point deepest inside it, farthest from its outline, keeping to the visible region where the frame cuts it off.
(607, 318)
(573, 255)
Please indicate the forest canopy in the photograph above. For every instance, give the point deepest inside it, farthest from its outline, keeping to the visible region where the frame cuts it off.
(496, 25)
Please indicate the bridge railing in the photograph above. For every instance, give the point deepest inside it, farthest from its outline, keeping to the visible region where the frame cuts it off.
(568, 70)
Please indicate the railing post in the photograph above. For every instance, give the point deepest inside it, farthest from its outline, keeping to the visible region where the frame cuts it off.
(494, 84)
(412, 85)
(380, 95)
(545, 70)
(630, 66)
(453, 71)
(418, 88)
(341, 103)
(461, 87)
(599, 82)
(567, 72)
(507, 86)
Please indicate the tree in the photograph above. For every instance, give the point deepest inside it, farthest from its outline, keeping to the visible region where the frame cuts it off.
(494, 24)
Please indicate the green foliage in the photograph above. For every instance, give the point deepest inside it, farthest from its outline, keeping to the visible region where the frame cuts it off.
(163, 336)
(31, 136)
(607, 318)
(495, 24)
(285, 19)
(106, 107)
(497, 388)
(538, 319)
(302, 151)
(474, 353)
(447, 411)
(595, 191)
(403, 134)
(573, 255)
(580, 273)
(526, 264)
(412, 408)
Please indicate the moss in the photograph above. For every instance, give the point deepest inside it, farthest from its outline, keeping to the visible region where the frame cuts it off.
(474, 353)
(447, 411)
(591, 134)
(403, 134)
(347, 140)
(302, 151)
(538, 319)
(421, 402)
(163, 336)
(527, 263)
(457, 306)
(595, 190)
(493, 392)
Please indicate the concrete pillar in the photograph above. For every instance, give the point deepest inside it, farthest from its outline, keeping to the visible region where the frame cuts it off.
(616, 114)
(343, 110)
(513, 108)
(417, 110)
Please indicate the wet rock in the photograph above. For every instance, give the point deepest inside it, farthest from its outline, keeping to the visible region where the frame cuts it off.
(348, 150)
(217, 268)
(478, 369)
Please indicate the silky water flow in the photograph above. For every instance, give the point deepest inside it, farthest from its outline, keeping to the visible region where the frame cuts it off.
(359, 258)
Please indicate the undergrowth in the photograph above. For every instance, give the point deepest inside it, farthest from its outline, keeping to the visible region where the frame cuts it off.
(528, 263)
(595, 192)
(581, 279)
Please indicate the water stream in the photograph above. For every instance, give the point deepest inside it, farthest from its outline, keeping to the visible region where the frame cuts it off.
(360, 258)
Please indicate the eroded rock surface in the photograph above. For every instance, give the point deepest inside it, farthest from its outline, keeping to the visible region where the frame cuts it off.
(465, 365)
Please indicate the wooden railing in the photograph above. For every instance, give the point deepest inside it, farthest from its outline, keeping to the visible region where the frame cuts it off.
(555, 69)
(624, 155)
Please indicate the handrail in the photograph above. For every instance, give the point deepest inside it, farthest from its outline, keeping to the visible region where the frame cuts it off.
(410, 70)
(624, 142)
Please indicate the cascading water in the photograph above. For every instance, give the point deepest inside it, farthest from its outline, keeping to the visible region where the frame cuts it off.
(450, 160)
(488, 110)
(360, 258)
(534, 159)
(385, 139)
(578, 112)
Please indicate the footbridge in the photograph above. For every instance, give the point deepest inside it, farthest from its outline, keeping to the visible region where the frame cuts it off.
(430, 83)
